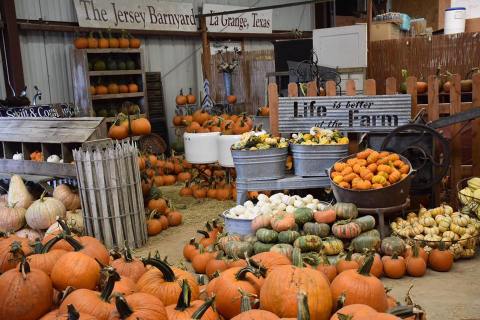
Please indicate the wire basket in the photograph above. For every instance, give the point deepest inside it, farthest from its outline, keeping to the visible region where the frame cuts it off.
(470, 203)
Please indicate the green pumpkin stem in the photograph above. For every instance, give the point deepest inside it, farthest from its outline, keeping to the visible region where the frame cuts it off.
(168, 274)
(185, 297)
(367, 266)
(127, 253)
(198, 314)
(77, 246)
(37, 246)
(395, 255)
(303, 311)
(113, 277)
(245, 304)
(340, 301)
(441, 246)
(342, 316)
(122, 306)
(64, 226)
(72, 313)
(204, 233)
(242, 273)
(349, 255)
(208, 226)
(415, 250)
(50, 243)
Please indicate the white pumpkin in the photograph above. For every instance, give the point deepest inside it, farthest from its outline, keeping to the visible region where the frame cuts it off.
(30, 234)
(44, 212)
(18, 194)
(70, 199)
(74, 220)
(18, 156)
(11, 218)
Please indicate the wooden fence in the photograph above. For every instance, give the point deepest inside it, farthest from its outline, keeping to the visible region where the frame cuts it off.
(434, 110)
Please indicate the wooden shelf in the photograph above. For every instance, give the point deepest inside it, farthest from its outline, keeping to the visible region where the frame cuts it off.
(114, 72)
(112, 50)
(117, 96)
(41, 168)
(112, 119)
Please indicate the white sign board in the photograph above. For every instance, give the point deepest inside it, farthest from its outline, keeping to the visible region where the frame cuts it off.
(247, 22)
(342, 47)
(138, 14)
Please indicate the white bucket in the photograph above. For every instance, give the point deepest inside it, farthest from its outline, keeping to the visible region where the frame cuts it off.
(201, 148)
(455, 20)
(224, 153)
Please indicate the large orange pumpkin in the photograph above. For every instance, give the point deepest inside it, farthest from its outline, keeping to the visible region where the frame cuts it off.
(27, 294)
(161, 282)
(359, 286)
(279, 292)
(141, 127)
(128, 266)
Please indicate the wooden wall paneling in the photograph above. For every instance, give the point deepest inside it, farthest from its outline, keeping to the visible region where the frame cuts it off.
(273, 106)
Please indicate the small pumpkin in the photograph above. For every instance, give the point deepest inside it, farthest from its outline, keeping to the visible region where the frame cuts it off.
(261, 221)
(346, 210)
(283, 248)
(366, 241)
(18, 193)
(318, 229)
(141, 127)
(128, 266)
(416, 266)
(440, 259)
(267, 235)
(325, 216)
(394, 266)
(332, 246)
(308, 243)
(269, 260)
(366, 223)
(259, 247)
(346, 263)
(303, 215)
(393, 244)
(346, 229)
(12, 218)
(70, 199)
(288, 236)
(282, 221)
(239, 249)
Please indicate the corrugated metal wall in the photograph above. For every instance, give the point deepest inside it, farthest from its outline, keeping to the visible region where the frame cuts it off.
(46, 55)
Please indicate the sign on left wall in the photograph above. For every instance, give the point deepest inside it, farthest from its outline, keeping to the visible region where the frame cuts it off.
(138, 14)
(59, 110)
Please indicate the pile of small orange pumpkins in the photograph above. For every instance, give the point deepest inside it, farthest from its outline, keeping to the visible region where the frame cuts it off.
(113, 88)
(91, 42)
(125, 126)
(202, 122)
(272, 282)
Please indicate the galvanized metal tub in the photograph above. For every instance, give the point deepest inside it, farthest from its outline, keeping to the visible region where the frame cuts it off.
(314, 160)
(394, 195)
(268, 164)
(238, 226)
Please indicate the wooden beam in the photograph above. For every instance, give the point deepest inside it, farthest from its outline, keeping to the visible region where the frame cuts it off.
(11, 56)
(206, 54)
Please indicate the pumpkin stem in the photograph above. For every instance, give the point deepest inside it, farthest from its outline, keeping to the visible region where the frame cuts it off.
(64, 226)
(441, 246)
(208, 226)
(245, 304)
(203, 308)
(63, 294)
(17, 252)
(367, 266)
(204, 233)
(122, 307)
(50, 243)
(340, 301)
(37, 246)
(77, 246)
(24, 267)
(115, 254)
(72, 313)
(242, 273)
(260, 269)
(113, 277)
(168, 274)
(303, 312)
(395, 255)
(43, 195)
(415, 250)
(185, 297)
(127, 253)
(349, 255)
(342, 316)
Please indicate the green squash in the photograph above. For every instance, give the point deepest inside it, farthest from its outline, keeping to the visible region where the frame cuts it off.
(261, 247)
(250, 238)
(345, 210)
(366, 222)
(317, 229)
(131, 65)
(99, 65)
(303, 215)
(332, 246)
(90, 66)
(308, 243)
(283, 248)
(288, 236)
(111, 64)
(373, 233)
(266, 235)
(121, 65)
(238, 249)
(365, 242)
(393, 245)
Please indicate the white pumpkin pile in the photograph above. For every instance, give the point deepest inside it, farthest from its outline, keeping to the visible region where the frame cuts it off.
(274, 203)
(20, 210)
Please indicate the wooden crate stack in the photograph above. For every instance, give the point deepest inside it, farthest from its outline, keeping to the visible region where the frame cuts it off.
(110, 189)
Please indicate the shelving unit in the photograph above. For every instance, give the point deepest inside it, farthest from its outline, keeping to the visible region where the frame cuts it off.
(48, 135)
(84, 77)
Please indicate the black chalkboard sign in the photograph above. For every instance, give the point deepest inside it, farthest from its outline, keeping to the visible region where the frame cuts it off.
(59, 110)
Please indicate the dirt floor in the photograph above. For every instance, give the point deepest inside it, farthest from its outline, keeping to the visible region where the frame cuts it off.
(444, 296)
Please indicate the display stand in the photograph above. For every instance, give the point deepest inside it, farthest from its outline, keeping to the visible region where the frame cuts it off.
(299, 114)
(381, 212)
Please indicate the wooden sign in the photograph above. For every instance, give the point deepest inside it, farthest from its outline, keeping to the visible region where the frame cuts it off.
(345, 113)
(60, 110)
(138, 14)
(247, 22)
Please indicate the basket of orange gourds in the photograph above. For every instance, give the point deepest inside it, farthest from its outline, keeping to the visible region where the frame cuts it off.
(372, 179)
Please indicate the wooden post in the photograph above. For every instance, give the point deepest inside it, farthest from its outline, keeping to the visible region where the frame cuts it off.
(292, 89)
(312, 90)
(370, 87)
(331, 88)
(12, 58)
(273, 107)
(391, 86)
(433, 113)
(476, 127)
(412, 91)
(456, 150)
(206, 55)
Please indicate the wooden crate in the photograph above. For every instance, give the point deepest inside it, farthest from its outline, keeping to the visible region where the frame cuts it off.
(84, 78)
(48, 135)
(111, 193)
(385, 31)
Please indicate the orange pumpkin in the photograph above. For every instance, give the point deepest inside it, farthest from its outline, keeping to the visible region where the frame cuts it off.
(112, 88)
(231, 99)
(81, 43)
(180, 99)
(123, 42)
(92, 42)
(102, 42)
(134, 43)
(122, 88)
(101, 89)
(141, 127)
(132, 87)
